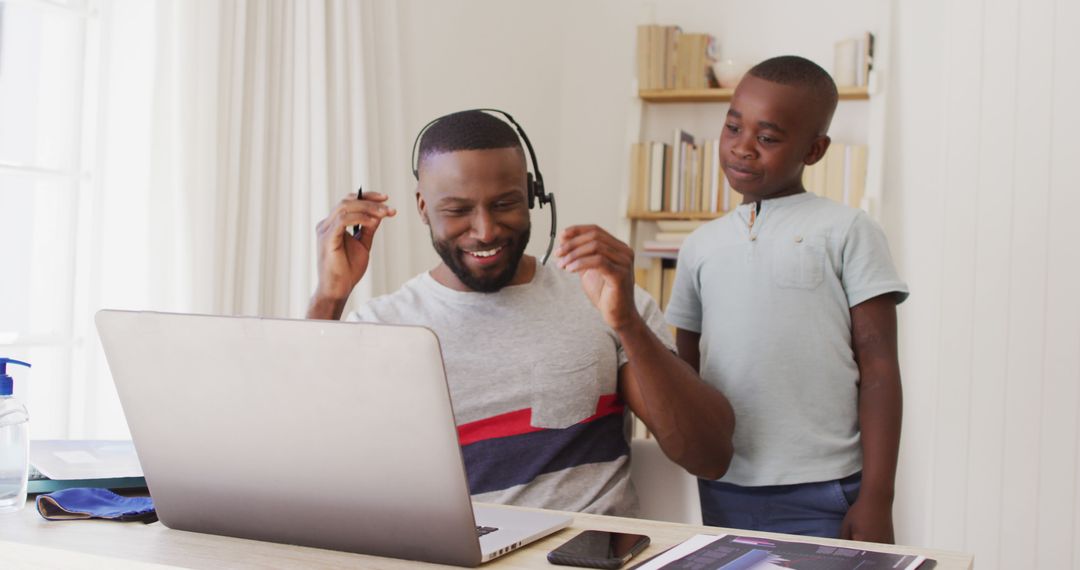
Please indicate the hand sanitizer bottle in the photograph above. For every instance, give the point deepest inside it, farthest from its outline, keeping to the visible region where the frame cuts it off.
(14, 443)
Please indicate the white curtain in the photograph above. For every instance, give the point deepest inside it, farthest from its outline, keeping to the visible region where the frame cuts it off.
(224, 131)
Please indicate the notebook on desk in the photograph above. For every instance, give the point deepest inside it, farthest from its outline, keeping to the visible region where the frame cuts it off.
(228, 414)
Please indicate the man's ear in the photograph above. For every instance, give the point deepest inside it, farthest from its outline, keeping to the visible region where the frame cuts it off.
(817, 149)
(421, 208)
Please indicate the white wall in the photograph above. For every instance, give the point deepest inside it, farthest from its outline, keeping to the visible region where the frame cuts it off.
(982, 191)
(976, 202)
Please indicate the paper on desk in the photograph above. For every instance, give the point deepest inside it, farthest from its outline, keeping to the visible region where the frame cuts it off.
(731, 552)
(678, 551)
(66, 459)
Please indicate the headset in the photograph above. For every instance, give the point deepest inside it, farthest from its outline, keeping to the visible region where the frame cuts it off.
(534, 180)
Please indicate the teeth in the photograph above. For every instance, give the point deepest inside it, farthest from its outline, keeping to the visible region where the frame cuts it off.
(487, 253)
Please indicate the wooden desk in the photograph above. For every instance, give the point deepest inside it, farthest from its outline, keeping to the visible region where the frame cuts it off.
(27, 540)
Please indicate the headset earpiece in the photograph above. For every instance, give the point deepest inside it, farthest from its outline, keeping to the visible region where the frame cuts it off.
(530, 189)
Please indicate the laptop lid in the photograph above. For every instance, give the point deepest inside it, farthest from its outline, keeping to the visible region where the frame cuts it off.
(319, 433)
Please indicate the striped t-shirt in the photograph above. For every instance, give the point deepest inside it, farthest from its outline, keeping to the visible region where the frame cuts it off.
(532, 371)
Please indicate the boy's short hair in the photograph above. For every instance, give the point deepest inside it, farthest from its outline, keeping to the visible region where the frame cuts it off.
(466, 130)
(800, 72)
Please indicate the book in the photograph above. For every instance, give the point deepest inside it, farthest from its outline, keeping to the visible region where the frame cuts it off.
(666, 286)
(845, 62)
(680, 142)
(735, 552)
(658, 160)
(644, 56)
(671, 237)
(856, 187)
(62, 464)
(835, 171)
(657, 246)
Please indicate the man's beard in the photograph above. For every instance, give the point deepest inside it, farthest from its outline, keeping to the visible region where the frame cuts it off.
(454, 258)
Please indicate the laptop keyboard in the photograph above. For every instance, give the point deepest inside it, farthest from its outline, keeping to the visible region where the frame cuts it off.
(482, 530)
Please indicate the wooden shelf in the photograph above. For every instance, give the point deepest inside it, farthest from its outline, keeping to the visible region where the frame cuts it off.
(723, 94)
(674, 215)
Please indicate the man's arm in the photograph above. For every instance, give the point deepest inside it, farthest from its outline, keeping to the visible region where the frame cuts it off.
(692, 421)
(873, 332)
(343, 259)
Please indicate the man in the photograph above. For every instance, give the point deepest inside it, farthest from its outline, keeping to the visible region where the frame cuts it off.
(540, 361)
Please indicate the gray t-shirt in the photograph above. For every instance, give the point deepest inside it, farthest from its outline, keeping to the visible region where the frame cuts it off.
(772, 305)
(533, 373)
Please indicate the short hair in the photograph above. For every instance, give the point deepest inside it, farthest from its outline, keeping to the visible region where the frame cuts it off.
(466, 130)
(801, 72)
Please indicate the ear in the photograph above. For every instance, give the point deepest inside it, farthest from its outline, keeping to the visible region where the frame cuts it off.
(421, 207)
(817, 149)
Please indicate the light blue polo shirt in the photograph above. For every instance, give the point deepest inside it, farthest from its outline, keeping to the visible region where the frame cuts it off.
(772, 304)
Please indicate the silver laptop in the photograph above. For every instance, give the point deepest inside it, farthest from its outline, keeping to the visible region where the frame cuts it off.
(318, 433)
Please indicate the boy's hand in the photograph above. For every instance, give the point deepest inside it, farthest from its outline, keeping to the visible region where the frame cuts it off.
(868, 522)
(606, 267)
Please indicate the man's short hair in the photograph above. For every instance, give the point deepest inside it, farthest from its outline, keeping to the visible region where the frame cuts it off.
(466, 130)
(798, 72)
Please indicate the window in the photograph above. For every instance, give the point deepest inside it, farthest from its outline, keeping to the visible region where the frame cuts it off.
(45, 71)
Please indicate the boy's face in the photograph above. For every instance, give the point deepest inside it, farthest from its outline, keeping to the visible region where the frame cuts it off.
(770, 133)
(474, 203)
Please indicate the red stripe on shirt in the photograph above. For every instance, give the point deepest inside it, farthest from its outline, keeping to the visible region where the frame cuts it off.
(519, 422)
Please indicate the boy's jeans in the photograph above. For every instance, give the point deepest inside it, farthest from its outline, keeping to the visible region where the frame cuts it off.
(811, 509)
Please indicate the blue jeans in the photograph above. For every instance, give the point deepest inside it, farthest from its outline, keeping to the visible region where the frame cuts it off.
(810, 509)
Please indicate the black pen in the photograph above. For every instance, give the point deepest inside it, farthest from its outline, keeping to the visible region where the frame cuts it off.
(356, 229)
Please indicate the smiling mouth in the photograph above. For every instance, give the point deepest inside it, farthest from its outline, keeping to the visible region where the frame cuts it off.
(485, 253)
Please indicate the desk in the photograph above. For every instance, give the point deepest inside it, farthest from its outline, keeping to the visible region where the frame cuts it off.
(27, 540)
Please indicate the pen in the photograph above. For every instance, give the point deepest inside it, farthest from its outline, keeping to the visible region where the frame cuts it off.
(356, 229)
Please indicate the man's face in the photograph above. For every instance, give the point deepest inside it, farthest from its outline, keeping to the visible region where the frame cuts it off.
(475, 204)
(770, 132)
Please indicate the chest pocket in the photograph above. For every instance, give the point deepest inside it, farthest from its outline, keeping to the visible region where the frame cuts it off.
(563, 393)
(799, 264)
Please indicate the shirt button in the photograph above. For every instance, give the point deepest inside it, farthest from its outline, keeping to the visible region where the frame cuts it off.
(798, 239)
(753, 238)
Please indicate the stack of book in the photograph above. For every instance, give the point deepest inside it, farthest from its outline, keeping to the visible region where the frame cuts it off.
(685, 177)
(667, 58)
(681, 177)
(840, 175)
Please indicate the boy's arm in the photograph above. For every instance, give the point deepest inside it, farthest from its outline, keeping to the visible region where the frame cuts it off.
(873, 332)
(689, 345)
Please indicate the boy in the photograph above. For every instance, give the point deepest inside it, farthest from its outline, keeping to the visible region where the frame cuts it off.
(788, 307)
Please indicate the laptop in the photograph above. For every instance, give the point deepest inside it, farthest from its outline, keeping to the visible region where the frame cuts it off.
(317, 433)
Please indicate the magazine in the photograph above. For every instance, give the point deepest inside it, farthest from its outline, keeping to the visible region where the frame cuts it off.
(732, 552)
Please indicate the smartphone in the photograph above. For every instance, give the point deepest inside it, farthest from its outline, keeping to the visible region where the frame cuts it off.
(598, 549)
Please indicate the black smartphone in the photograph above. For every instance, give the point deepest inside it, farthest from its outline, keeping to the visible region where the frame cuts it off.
(598, 549)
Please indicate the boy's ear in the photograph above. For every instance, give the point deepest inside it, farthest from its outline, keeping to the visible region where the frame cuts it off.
(421, 207)
(817, 149)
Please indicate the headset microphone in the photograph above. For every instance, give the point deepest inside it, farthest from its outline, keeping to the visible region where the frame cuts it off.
(534, 180)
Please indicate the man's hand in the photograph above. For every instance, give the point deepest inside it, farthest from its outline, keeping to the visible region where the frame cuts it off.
(343, 259)
(606, 267)
(868, 521)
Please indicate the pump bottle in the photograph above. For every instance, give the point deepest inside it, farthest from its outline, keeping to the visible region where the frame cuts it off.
(14, 443)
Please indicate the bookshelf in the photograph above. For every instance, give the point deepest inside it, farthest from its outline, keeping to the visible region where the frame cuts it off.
(657, 110)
